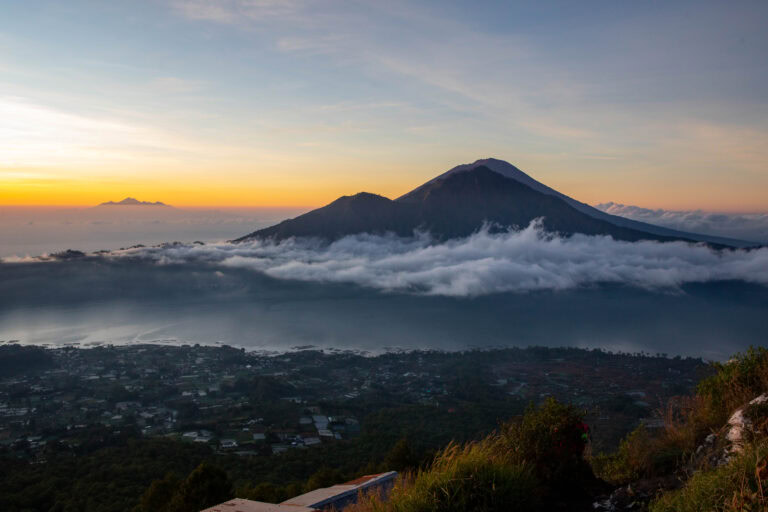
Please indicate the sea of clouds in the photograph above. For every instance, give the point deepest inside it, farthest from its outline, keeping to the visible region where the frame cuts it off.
(484, 263)
(744, 226)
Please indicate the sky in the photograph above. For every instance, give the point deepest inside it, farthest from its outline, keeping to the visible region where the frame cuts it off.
(289, 103)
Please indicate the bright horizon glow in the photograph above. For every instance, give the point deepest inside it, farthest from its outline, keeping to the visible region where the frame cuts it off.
(291, 103)
(271, 202)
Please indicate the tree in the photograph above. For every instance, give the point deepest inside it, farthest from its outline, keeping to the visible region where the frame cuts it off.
(323, 477)
(157, 498)
(401, 457)
(206, 486)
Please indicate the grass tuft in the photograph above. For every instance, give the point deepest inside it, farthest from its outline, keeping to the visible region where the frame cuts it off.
(527, 465)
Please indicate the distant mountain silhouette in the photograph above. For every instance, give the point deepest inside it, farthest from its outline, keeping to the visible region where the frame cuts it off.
(129, 201)
(458, 203)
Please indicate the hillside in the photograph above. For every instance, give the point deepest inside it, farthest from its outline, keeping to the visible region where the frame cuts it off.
(711, 454)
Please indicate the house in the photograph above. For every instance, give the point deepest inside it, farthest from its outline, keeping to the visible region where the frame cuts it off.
(284, 434)
(239, 505)
(334, 498)
(227, 444)
(339, 496)
(125, 406)
(279, 448)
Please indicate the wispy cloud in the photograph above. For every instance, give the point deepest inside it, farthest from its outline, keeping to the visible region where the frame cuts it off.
(37, 135)
(176, 85)
(747, 226)
(32, 134)
(510, 80)
(706, 142)
(231, 11)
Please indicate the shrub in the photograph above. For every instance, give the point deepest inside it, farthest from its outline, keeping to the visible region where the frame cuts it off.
(631, 461)
(735, 383)
(758, 415)
(737, 486)
(552, 438)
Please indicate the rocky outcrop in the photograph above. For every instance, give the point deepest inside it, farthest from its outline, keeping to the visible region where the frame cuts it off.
(739, 429)
(716, 450)
(635, 496)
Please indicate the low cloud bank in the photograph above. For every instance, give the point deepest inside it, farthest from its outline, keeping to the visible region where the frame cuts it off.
(481, 264)
(744, 226)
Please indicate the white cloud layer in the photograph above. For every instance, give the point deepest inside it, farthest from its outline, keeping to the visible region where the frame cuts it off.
(745, 226)
(481, 264)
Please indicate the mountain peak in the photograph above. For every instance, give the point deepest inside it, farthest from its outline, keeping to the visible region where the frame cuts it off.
(489, 162)
(360, 197)
(502, 167)
(130, 201)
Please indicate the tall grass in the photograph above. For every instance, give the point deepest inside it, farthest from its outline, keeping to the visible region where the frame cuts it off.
(525, 466)
(735, 383)
(476, 476)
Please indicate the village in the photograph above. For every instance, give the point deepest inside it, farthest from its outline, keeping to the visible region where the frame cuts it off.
(260, 403)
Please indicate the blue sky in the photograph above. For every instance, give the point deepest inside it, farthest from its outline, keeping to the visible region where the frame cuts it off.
(249, 102)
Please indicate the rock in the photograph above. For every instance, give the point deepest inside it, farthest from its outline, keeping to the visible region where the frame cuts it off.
(635, 496)
(739, 425)
(737, 429)
(606, 505)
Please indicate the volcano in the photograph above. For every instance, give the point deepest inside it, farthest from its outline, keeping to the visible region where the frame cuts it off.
(488, 193)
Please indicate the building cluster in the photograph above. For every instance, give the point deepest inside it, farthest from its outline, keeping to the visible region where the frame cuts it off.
(255, 402)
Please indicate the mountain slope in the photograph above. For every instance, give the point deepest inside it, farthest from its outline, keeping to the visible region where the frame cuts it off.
(455, 204)
(512, 172)
(363, 212)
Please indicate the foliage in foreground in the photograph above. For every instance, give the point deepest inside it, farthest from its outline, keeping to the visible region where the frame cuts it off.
(737, 486)
(527, 465)
(679, 450)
